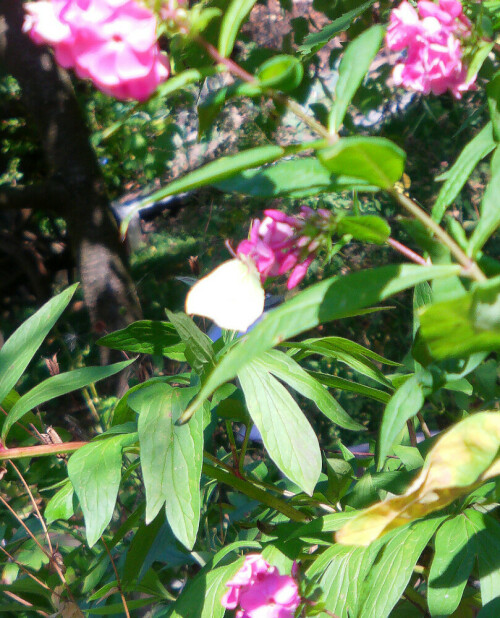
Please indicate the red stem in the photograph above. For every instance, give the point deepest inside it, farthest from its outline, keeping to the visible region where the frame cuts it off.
(406, 251)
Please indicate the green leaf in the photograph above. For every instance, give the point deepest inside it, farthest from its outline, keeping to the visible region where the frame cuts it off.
(286, 369)
(482, 51)
(393, 568)
(297, 177)
(474, 315)
(352, 387)
(56, 386)
(324, 344)
(199, 351)
(213, 172)
(403, 405)
(487, 541)
(143, 337)
(480, 146)
(493, 92)
(22, 345)
(95, 472)
(281, 72)
(367, 228)
(202, 595)
(316, 40)
(171, 457)
(490, 216)
(376, 160)
(343, 571)
(451, 566)
(287, 435)
(60, 506)
(325, 301)
(353, 67)
(233, 18)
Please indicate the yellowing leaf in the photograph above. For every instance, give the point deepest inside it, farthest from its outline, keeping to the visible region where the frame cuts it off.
(461, 459)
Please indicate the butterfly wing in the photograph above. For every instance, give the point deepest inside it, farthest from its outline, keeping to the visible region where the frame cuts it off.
(231, 296)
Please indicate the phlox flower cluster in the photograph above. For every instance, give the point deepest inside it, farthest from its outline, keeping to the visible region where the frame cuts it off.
(111, 42)
(277, 245)
(260, 591)
(432, 40)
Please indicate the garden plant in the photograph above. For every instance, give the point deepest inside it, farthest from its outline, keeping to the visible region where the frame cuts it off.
(213, 488)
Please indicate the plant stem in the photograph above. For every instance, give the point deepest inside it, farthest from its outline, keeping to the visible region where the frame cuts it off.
(290, 104)
(254, 492)
(243, 450)
(40, 450)
(230, 65)
(470, 268)
(416, 599)
(407, 252)
(118, 582)
(35, 506)
(423, 425)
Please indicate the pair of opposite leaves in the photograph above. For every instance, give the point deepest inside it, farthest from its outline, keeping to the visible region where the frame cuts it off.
(231, 295)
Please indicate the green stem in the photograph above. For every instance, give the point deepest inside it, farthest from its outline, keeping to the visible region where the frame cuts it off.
(241, 460)
(470, 268)
(254, 492)
(416, 599)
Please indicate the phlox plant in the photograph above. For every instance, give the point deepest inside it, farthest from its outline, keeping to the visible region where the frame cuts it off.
(172, 508)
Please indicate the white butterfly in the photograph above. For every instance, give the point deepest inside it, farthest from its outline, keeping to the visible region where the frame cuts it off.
(231, 295)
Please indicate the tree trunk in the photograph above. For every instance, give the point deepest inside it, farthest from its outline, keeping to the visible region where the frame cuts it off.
(76, 186)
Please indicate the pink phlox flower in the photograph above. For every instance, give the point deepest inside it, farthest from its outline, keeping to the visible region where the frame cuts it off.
(276, 245)
(111, 42)
(261, 592)
(431, 37)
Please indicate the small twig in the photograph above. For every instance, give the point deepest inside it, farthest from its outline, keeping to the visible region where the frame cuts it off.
(35, 506)
(22, 601)
(118, 582)
(24, 570)
(11, 510)
(412, 433)
(53, 563)
(407, 252)
(231, 66)
(470, 268)
(423, 425)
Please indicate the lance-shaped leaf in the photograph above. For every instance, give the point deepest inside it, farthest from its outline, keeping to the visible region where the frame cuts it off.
(95, 472)
(171, 457)
(143, 337)
(199, 351)
(480, 146)
(353, 67)
(391, 572)
(234, 16)
(490, 215)
(288, 437)
(286, 369)
(451, 566)
(460, 460)
(327, 300)
(342, 572)
(403, 405)
(58, 385)
(22, 345)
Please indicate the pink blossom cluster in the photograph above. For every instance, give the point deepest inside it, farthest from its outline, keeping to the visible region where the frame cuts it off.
(432, 39)
(277, 246)
(111, 42)
(260, 591)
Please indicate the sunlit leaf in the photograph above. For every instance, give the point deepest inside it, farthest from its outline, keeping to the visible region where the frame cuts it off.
(458, 462)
